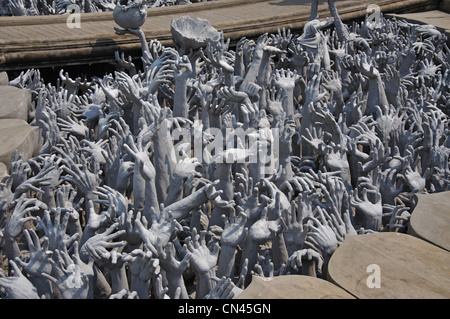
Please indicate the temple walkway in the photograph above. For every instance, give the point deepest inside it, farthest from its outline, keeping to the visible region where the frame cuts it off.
(42, 41)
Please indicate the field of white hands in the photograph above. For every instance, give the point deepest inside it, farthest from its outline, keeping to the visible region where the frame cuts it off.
(107, 211)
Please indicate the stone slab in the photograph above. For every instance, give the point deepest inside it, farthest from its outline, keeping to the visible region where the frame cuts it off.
(17, 134)
(409, 268)
(430, 219)
(3, 171)
(293, 287)
(4, 80)
(14, 102)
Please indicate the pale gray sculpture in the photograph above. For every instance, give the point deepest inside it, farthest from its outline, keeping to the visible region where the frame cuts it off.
(192, 34)
(130, 14)
(210, 164)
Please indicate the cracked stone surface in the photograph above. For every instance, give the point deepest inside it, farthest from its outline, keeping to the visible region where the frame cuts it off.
(17, 134)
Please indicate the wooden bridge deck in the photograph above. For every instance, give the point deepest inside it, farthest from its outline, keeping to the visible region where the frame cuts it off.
(41, 41)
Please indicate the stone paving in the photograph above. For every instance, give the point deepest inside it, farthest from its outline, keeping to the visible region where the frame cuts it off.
(43, 41)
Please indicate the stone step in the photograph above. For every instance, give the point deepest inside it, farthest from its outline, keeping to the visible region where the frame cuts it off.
(293, 287)
(14, 102)
(430, 219)
(404, 266)
(18, 134)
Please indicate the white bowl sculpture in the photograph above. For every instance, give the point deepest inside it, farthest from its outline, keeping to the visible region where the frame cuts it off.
(130, 16)
(191, 33)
